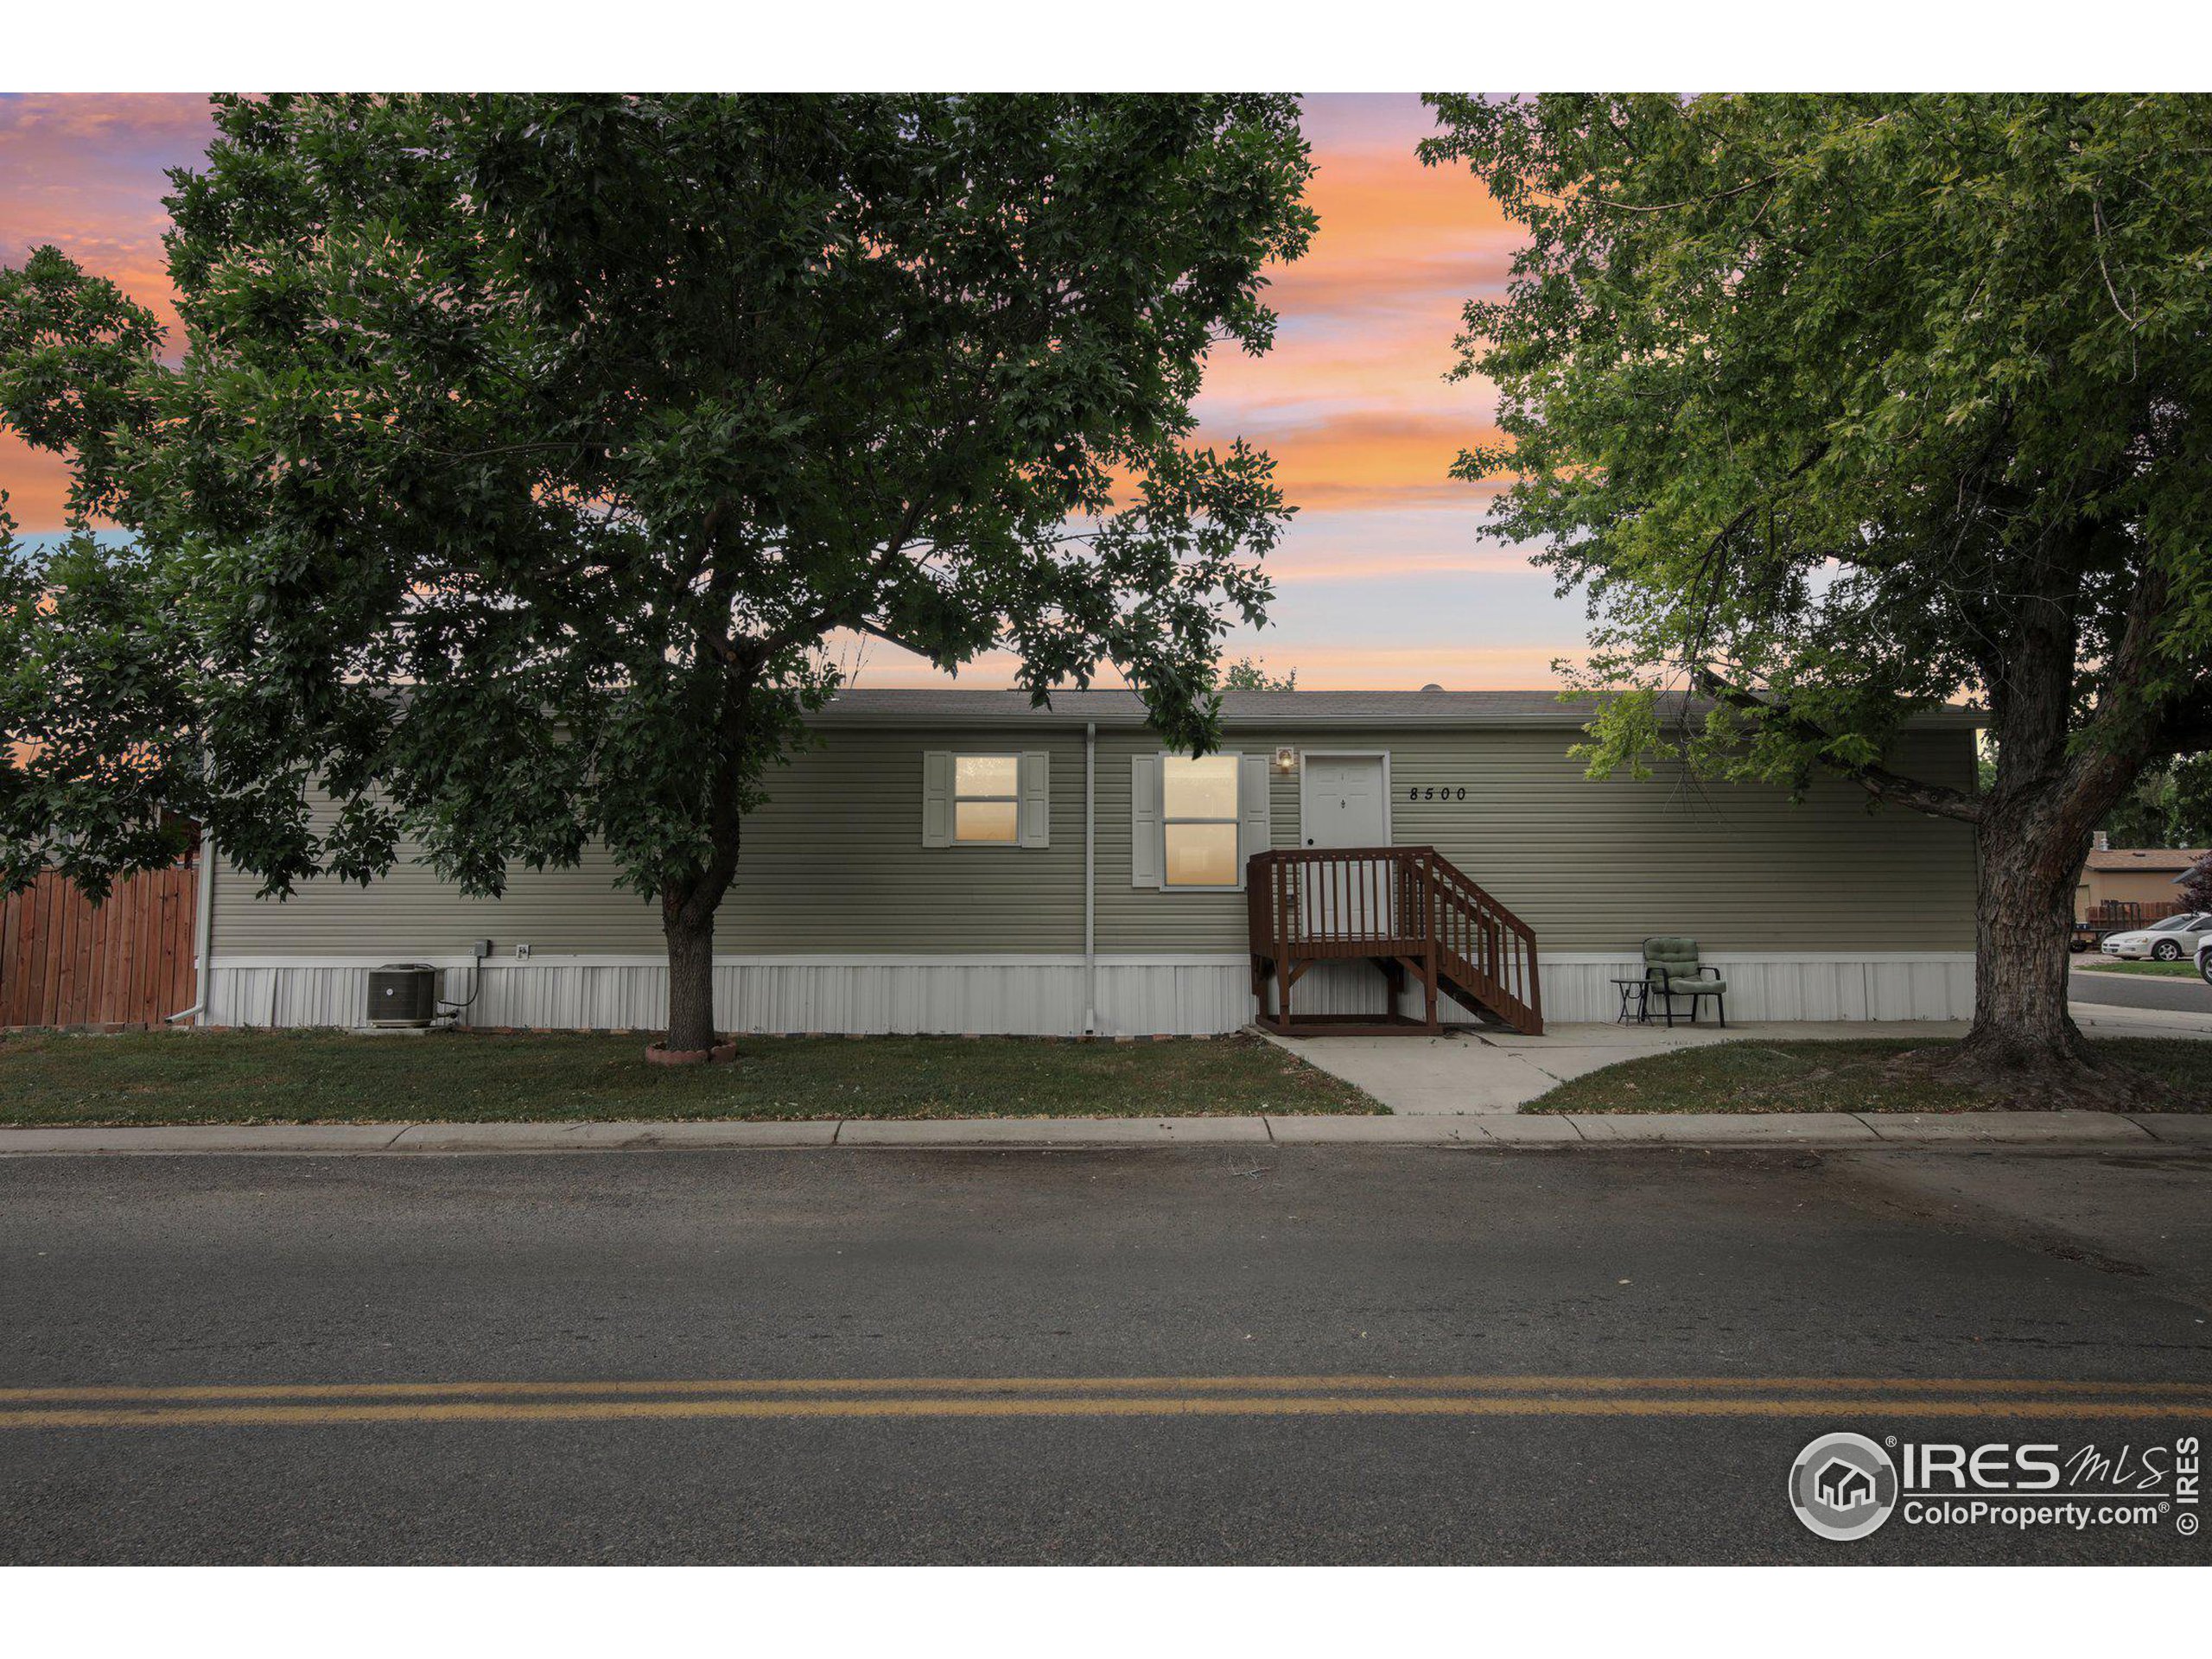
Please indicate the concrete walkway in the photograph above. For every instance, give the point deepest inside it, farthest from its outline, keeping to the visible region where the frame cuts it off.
(1467, 1073)
(2147, 1131)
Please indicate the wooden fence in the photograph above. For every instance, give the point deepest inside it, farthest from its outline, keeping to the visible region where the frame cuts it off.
(130, 962)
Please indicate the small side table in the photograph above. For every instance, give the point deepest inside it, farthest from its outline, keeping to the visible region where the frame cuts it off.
(1636, 1002)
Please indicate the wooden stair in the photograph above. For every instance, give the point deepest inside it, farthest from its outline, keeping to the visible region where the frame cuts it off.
(1409, 912)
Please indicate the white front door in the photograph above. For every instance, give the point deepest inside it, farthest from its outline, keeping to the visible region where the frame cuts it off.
(1345, 802)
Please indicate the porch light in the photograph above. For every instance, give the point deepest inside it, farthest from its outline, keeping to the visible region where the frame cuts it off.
(1286, 760)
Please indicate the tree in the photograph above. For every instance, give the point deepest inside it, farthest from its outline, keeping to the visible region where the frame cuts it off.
(1843, 407)
(2196, 885)
(1250, 674)
(2168, 805)
(525, 451)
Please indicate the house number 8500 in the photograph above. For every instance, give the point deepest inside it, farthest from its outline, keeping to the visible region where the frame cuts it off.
(1433, 792)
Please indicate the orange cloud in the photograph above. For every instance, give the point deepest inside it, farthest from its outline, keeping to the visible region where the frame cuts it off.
(1353, 402)
(1409, 667)
(1321, 666)
(36, 483)
(1372, 457)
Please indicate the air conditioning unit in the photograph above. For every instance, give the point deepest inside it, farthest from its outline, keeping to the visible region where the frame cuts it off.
(402, 994)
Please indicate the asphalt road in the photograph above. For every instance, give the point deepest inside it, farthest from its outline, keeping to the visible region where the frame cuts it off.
(2140, 991)
(1234, 1355)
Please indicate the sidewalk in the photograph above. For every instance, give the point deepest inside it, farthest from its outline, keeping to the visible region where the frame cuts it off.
(2147, 1131)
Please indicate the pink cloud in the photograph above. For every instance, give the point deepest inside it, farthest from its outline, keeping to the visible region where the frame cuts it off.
(1353, 403)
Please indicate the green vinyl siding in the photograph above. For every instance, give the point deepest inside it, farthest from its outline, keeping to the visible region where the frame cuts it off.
(834, 864)
(1597, 865)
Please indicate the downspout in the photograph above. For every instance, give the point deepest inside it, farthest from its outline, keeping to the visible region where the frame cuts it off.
(203, 932)
(1089, 878)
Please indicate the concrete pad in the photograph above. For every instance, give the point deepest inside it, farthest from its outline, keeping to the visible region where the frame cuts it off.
(2183, 1128)
(1634, 1040)
(1488, 1071)
(2003, 1128)
(583, 1137)
(1717, 1128)
(1657, 1038)
(1448, 1076)
(204, 1137)
(1050, 1131)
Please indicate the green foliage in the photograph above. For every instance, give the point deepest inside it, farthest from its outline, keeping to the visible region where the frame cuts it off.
(525, 449)
(2195, 887)
(1250, 674)
(2169, 806)
(1845, 406)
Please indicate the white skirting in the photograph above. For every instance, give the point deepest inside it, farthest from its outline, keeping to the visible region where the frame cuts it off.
(1040, 996)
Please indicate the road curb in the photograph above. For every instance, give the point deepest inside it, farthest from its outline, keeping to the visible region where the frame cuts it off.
(1502, 1130)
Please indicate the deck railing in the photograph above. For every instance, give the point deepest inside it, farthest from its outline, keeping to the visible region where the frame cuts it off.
(1408, 903)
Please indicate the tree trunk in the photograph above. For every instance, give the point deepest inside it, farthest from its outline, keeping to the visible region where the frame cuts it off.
(688, 924)
(690, 899)
(2023, 912)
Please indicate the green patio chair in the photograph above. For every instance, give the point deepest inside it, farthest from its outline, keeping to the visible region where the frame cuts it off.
(1671, 969)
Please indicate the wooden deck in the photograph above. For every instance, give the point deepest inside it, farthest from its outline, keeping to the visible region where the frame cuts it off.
(1407, 910)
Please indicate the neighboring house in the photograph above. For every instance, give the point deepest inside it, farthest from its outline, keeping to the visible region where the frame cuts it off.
(2140, 876)
(960, 861)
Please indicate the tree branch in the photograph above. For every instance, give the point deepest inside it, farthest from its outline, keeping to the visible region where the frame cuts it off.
(1934, 799)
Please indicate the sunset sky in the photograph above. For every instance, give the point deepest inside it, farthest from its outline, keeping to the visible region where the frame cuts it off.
(1381, 581)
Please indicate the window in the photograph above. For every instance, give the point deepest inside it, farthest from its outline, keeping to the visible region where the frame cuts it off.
(1198, 800)
(986, 799)
(1195, 822)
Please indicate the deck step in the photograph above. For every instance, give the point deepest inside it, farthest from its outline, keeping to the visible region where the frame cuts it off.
(1408, 910)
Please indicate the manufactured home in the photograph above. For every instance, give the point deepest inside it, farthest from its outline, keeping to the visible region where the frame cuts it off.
(961, 861)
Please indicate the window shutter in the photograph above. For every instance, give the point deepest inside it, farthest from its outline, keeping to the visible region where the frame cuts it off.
(1036, 818)
(1144, 821)
(937, 798)
(1252, 833)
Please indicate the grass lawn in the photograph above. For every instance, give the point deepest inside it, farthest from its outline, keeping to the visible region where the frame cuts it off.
(329, 1077)
(1847, 1076)
(2163, 970)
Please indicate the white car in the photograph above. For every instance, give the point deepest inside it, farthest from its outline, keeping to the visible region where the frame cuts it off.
(2204, 960)
(2167, 941)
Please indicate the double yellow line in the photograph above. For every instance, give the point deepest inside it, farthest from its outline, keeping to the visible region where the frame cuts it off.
(341, 1404)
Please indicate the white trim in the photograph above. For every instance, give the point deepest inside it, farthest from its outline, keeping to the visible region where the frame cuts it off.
(723, 959)
(953, 798)
(1029, 959)
(1390, 803)
(1042, 995)
(1635, 953)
